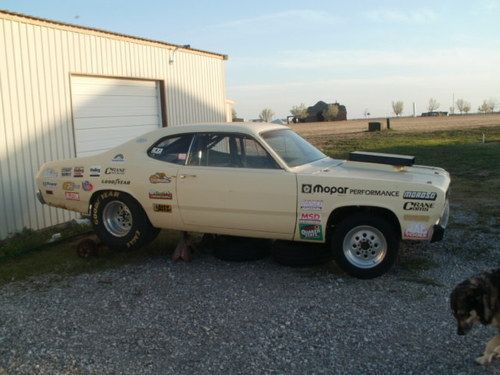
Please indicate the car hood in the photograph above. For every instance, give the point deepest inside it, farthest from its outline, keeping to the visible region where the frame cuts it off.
(420, 174)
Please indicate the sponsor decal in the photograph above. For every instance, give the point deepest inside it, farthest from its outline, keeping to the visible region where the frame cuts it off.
(95, 171)
(66, 171)
(420, 195)
(308, 189)
(417, 231)
(159, 178)
(141, 140)
(70, 186)
(310, 216)
(49, 192)
(311, 205)
(118, 158)
(156, 150)
(162, 207)
(116, 181)
(78, 172)
(50, 173)
(112, 170)
(418, 206)
(423, 218)
(87, 186)
(380, 193)
(311, 232)
(134, 239)
(181, 156)
(72, 195)
(154, 194)
(49, 184)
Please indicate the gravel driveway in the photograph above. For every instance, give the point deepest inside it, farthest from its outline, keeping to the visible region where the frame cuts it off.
(211, 316)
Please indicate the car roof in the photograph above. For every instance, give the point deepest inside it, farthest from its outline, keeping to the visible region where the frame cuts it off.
(253, 128)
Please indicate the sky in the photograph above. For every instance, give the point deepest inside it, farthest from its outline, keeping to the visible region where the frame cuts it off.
(363, 54)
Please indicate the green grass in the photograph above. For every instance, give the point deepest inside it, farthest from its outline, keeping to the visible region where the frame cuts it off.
(61, 259)
(474, 168)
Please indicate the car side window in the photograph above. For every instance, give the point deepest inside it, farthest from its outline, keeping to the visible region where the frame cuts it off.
(229, 150)
(171, 149)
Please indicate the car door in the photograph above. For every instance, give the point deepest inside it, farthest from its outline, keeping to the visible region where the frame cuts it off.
(159, 180)
(231, 182)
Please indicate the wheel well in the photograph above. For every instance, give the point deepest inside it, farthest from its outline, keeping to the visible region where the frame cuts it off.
(341, 213)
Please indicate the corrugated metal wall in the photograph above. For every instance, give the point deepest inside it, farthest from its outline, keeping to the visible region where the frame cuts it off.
(36, 62)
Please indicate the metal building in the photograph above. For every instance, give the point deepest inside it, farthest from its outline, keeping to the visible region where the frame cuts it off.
(69, 91)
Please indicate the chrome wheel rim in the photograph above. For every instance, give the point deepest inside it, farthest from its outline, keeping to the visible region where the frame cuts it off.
(117, 218)
(365, 246)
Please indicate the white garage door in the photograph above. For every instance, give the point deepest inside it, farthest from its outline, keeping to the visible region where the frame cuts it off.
(110, 111)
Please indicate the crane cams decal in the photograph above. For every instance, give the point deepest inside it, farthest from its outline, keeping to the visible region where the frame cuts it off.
(418, 206)
(112, 170)
(311, 232)
(420, 195)
(309, 189)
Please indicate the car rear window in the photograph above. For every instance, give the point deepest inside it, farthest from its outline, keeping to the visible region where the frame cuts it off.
(171, 149)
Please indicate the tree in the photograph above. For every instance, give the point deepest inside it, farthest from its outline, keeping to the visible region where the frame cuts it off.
(460, 105)
(330, 113)
(433, 105)
(299, 111)
(488, 106)
(266, 115)
(234, 115)
(397, 107)
(366, 113)
(466, 107)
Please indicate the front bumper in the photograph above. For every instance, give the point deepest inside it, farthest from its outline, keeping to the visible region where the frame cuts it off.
(40, 197)
(439, 228)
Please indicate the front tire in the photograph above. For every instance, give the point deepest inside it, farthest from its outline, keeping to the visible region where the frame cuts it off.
(120, 222)
(365, 246)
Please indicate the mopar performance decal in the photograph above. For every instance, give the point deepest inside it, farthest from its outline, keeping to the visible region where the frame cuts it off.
(154, 194)
(308, 189)
(311, 232)
(112, 170)
(311, 205)
(420, 195)
(95, 171)
(159, 178)
(418, 206)
(162, 207)
(379, 193)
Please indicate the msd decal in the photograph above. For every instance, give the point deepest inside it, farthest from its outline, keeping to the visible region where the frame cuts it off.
(310, 216)
(72, 195)
(417, 231)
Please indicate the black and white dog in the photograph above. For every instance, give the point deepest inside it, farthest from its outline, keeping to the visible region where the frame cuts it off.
(477, 300)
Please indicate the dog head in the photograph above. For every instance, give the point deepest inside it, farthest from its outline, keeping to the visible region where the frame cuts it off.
(470, 304)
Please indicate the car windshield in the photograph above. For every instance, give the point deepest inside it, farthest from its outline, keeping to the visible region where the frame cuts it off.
(292, 148)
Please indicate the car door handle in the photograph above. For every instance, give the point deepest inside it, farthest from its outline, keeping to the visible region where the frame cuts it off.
(186, 175)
